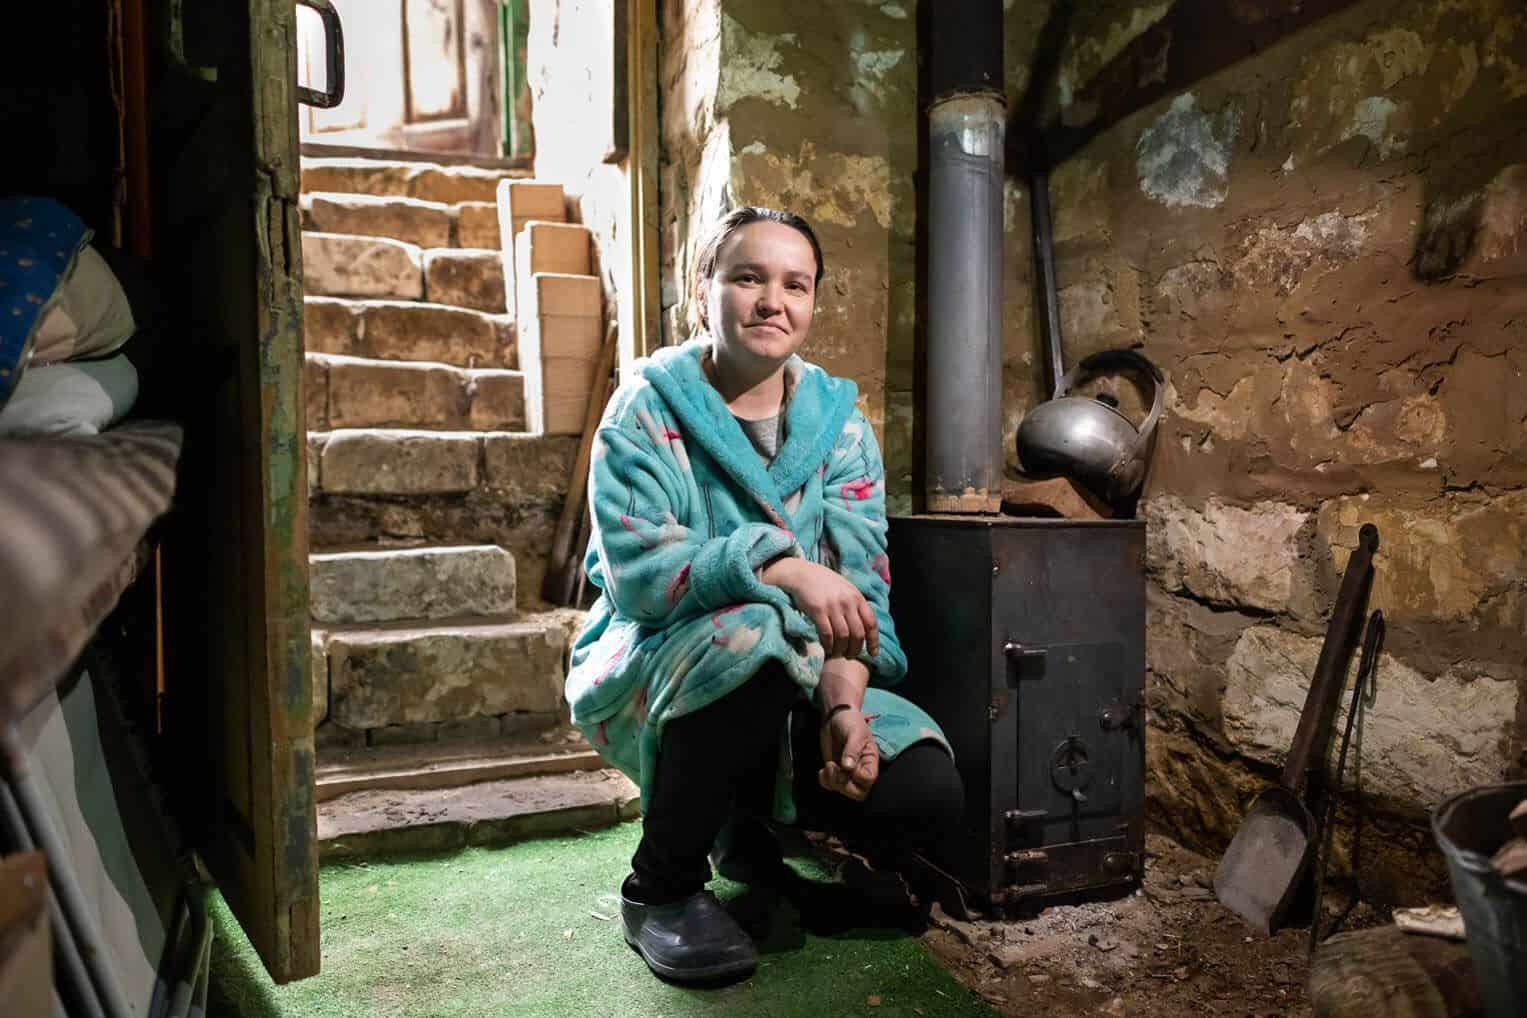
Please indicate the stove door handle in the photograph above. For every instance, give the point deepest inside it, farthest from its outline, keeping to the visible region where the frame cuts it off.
(1118, 715)
(1023, 662)
(1016, 651)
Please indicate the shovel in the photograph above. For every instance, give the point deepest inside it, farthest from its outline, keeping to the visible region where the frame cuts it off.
(1266, 862)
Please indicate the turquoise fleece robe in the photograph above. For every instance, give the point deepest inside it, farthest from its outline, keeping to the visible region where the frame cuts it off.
(685, 514)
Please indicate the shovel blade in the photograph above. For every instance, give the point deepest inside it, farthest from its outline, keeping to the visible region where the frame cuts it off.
(1262, 868)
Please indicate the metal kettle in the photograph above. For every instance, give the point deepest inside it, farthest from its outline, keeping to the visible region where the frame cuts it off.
(1086, 438)
(1082, 438)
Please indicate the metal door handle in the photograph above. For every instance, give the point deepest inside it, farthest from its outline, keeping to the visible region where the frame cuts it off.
(1018, 652)
(333, 59)
(176, 44)
(1022, 661)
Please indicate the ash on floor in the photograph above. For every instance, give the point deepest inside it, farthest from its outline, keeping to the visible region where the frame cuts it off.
(1168, 950)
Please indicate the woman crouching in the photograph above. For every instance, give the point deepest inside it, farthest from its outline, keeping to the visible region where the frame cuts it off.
(730, 664)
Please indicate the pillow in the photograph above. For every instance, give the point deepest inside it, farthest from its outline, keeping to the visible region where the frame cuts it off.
(40, 241)
(90, 316)
(77, 398)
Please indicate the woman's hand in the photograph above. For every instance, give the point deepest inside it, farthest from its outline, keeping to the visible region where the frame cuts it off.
(844, 619)
(851, 759)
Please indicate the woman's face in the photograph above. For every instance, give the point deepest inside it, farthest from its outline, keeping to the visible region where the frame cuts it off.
(760, 301)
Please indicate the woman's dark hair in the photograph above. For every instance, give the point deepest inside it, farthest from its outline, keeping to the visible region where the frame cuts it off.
(705, 263)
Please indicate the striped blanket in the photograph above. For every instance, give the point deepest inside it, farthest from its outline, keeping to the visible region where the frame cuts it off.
(73, 512)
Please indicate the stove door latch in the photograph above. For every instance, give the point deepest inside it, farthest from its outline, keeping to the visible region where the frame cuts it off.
(1118, 715)
(1026, 861)
(1023, 658)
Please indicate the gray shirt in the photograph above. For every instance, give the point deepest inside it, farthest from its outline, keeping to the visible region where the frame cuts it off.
(764, 434)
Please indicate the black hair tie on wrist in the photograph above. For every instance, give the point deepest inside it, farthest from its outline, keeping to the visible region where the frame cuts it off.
(827, 716)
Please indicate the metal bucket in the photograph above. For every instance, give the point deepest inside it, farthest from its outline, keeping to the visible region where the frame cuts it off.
(1470, 827)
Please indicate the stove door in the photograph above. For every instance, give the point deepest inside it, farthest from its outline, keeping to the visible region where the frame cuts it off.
(1068, 678)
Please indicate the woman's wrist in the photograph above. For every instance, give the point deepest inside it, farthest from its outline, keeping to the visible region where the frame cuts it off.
(777, 572)
(829, 711)
(842, 682)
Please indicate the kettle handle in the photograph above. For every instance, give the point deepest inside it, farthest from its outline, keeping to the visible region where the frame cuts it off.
(1122, 360)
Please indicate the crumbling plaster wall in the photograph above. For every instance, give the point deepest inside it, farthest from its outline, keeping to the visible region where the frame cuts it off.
(805, 106)
(1325, 250)
(1324, 247)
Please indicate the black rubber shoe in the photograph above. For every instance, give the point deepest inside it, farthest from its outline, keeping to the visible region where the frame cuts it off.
(748, 852)
(692, 940)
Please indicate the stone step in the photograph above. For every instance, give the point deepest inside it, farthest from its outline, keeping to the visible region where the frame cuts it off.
(394, 461)
(412, 461)
(516, 503)
(466, 278)
(411, 220)
(443, 671)
(477, 225)
(467, 224)
(409, 331)
(489, 733)
(377, 823)
(356, 392)
(398, 584)
(429, 181)
(342, 265)
(447, 765)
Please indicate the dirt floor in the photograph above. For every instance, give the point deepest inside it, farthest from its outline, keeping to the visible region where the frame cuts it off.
(1168, 950)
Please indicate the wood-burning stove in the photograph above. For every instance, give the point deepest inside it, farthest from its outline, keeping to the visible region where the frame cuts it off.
(1025, 640)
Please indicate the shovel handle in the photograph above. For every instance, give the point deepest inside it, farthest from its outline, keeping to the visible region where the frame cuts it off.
(1315, 721)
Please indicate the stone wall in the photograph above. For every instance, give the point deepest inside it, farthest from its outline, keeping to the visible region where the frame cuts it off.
(805, 106)
(1324, 247)
(692, 188)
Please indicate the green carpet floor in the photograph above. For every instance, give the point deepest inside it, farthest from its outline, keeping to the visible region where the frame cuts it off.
(526, 931)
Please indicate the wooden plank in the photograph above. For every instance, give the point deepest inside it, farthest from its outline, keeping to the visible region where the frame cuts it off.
(641, 331)
(281, 722)
(324, 150)
(451, 773)
(1053, 496)
(135, 61)
(238, 691)
(555, 587)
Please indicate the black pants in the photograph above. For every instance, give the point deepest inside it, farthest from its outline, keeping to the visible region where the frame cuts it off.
(724, 758)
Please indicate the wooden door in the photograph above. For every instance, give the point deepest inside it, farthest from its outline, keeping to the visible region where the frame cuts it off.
(424, 75)
(238, 701)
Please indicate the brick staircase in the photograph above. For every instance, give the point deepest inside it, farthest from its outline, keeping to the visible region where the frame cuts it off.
(440, 399)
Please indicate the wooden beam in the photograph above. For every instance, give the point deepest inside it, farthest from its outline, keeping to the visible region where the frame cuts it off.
(640, 331)
(1195, 39)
